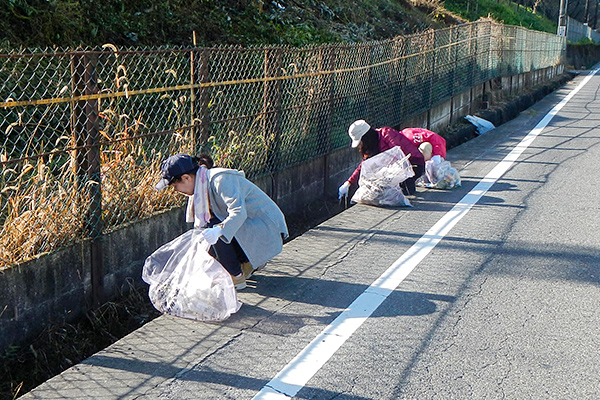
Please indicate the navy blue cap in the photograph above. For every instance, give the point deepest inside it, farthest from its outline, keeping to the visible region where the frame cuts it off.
(175, 166)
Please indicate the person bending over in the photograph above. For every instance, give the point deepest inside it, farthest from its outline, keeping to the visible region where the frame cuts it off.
(371, 142)
(244, 227)
(430, 143)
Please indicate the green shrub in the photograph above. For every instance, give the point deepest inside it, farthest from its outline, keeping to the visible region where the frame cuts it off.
(503, 11)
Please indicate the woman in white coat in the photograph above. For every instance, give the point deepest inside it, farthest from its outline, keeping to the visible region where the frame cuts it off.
(244, 227)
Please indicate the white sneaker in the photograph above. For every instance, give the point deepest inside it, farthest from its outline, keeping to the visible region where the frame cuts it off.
(239, 281)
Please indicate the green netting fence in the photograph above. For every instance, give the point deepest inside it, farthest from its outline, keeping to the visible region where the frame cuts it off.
(84, 130)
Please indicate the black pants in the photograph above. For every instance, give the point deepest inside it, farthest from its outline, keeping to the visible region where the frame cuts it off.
(230, 255)
(408, 186)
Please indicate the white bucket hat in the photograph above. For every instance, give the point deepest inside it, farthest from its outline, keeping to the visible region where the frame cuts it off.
(357, 130)
(427, 149)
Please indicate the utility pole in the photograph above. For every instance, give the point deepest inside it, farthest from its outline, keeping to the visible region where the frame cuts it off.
(586, 12)
(562, 18)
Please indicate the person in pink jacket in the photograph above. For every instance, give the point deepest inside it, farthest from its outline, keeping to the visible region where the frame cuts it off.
(420, 136)
(372, 141)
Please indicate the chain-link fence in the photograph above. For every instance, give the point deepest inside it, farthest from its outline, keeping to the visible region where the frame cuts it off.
(84, 131)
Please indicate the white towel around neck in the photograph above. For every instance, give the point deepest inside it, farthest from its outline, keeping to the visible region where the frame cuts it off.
(198, 210)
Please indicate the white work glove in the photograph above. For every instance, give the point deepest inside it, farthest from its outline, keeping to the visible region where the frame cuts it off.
(343, 190)
(211, 235)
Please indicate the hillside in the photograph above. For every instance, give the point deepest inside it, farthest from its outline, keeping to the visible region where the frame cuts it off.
(504, 11)
(40, 23)
(69, 23)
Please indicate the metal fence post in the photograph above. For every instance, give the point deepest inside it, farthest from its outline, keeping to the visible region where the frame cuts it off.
(454, 43)
(199, 99)
(371, 89)
(432, 52)
(193, 93)
(473, 62)
(403, 80)
(326, 63)
(272, 112)
(429, 48)
(398, 50)
(86, 132)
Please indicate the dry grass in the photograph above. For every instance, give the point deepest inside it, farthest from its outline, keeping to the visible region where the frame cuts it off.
(40, 218)
(128, 192)
(46, 201)
(37, 206)
(44, 205)
(437, 12)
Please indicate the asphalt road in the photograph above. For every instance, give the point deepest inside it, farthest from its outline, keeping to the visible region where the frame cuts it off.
(488, 291)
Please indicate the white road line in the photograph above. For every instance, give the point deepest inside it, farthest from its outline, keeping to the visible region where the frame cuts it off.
(288, 382)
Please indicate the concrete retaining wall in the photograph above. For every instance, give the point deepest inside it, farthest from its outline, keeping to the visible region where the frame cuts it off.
(582, 56)
(57, 287)
(480, 97)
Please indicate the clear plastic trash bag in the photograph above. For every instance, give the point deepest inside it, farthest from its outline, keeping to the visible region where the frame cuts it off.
(439, 174)
(186, 281)
(380, 179)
